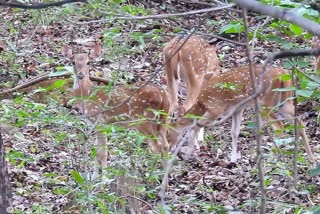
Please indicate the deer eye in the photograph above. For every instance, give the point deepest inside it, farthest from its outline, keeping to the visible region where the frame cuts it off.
(80, 76)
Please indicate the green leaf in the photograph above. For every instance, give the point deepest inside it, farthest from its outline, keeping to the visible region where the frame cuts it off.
(22, 114)
(228, 85)
(285, 77)
(94, 152)
(314, 172)
(19, 136)
(233, 27)
(287, 45)
(67, 70)
(304, 93)
(59, 83)
(301, 63)
(77, 177)
(285, 89)
(296, 29)
(60, 191)
(192, 116)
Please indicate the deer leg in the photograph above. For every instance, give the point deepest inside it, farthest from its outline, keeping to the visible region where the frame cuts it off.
(163, 134)
(235, 130)
(192, 136)
(194, 84)
(194, 128)
(150, 129)
(173, 82)
(274, 121)
(200, 138)
(287, 109)
(101, 159)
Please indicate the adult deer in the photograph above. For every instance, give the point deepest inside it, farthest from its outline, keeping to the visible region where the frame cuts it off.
(108, 106)
(223, 92)
(195, 59)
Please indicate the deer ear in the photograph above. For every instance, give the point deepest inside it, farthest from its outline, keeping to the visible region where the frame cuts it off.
(67, 52)
(96, 51)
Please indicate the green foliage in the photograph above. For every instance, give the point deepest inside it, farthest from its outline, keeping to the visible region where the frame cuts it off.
(227, 85)
(232, 28)
(130, 156)
(212, 208)
(315, 172)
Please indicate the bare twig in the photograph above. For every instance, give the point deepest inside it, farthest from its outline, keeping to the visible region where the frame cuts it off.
(165, 179)
(222, 38)
(160, 16)
(296, 135)
(17, 4)
(209, 4)
(257, 115)
(284, 14)
(44, 77)
(5, 187)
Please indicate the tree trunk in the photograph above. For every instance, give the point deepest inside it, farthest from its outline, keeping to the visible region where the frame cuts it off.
(5, 194)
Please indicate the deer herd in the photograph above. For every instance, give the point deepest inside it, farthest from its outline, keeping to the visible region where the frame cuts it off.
(209, 94)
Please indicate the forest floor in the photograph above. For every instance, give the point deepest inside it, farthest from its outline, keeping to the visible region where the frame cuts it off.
(208, 184)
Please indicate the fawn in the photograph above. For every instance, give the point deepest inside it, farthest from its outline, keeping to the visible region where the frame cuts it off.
(108, 107)
(216, 97)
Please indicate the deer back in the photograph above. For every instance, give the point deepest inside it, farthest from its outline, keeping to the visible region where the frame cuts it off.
(195, 55)
(230, 88)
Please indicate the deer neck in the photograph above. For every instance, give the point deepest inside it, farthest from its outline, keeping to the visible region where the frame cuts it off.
(82, 87)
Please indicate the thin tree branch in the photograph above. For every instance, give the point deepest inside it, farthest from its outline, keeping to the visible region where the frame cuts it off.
(44, 77)
(283, 14)
(5, 188)
(160, 16)
(165, 179)
(257, 116)
(296, 134)
(15, 4)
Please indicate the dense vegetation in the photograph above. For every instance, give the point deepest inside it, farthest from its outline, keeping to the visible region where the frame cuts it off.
(51, 150)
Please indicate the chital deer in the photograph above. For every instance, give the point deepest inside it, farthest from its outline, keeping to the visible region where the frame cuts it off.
(217, 96)
(95, 103)
(195, 59)
(316, 44)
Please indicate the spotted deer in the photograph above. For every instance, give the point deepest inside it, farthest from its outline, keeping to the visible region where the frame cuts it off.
(316, 44)
(193, 61)
(110, 106)
(223, 92)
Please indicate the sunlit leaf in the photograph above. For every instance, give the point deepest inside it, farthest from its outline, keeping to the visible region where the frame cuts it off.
(77, 177)
(304, 93)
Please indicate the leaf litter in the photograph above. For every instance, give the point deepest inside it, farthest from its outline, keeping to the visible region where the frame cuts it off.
(208, 184)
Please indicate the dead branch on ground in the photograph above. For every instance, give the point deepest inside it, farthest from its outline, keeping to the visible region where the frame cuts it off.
(44, 77)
